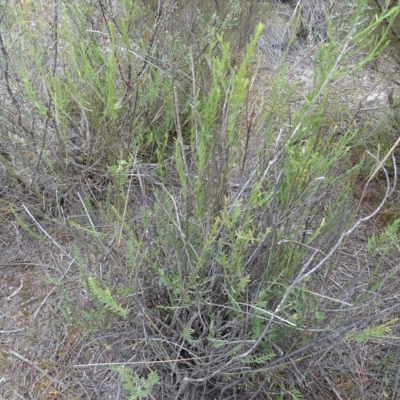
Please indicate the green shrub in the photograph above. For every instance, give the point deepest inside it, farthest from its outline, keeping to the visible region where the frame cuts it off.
(214, 211)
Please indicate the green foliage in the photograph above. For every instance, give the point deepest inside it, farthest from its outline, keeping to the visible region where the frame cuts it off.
(103, 299)
(383, 243)
(373, 333)
(138, 388)
(187, 334)
(25, 227)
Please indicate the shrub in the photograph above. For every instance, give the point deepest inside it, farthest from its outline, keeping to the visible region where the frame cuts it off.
(205, 228)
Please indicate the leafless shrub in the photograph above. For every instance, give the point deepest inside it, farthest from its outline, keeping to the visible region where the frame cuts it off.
(315, 13)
